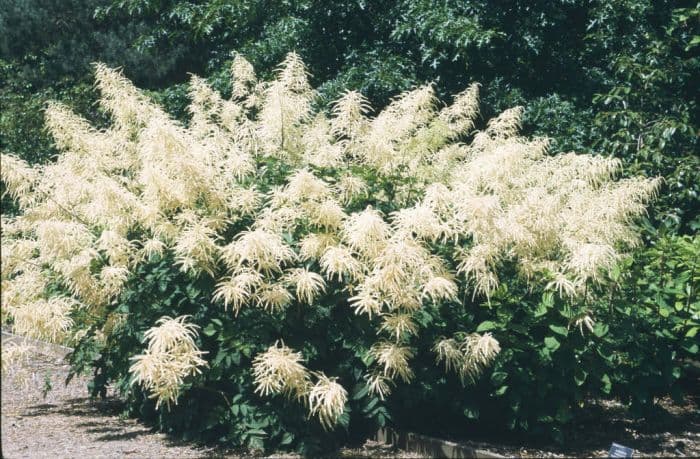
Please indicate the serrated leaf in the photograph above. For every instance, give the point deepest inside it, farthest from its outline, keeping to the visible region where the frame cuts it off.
(209, 330)
(287, 438)
(600, 329)
(547, 299)
(498, 377)
(501, 390)
(370, 405)
(344, 419)
(219, 357)
(541, 310)
(361, 392)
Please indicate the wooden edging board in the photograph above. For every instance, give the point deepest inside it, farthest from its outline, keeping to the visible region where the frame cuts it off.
(431, 447)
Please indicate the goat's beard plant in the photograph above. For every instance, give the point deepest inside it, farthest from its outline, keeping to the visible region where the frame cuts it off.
(285, 216)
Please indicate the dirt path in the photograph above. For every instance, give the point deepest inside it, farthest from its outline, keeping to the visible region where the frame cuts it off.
(65, 423)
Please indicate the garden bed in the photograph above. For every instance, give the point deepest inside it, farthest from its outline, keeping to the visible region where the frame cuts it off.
(66, 423)
(673, 431)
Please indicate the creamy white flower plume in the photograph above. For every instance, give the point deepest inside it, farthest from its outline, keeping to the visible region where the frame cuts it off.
(170, 357)
(327, 400)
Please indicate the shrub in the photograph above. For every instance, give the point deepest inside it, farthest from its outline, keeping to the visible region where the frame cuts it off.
(655, 309)
(265, 264)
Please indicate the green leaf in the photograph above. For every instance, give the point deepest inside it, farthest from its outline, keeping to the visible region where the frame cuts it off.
(563, 331)
(209, 330)
(361, 391)
(498, 377)
(580, 376)
(287, 438)
(344, 419)
(547, 299)
(471, 413)
(486, 326)
(676, 372)
(551, 343)
(255, 442)
(600, 329)
(220, 356)
(546, 303)
(501, 390)
(519, 329)
(541, 310)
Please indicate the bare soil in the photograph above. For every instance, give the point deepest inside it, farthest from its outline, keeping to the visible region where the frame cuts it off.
(66, 423)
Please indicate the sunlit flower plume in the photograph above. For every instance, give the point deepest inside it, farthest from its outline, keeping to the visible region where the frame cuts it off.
(469, 356)
(171, 356)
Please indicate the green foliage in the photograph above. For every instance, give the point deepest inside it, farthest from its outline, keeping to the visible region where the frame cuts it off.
(639, 348)
(220, 405)
(46, 49)
(641, 345)
(22, 118)
(640, 117)
(610, 77)
(656, 314)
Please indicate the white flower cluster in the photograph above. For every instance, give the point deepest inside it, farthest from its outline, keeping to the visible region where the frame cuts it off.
(280, 370)
(171, 356)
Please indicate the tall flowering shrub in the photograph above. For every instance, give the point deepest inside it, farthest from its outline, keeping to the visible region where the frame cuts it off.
(273, 216)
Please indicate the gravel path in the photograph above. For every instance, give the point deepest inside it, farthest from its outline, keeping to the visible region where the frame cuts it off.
(63, 422)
